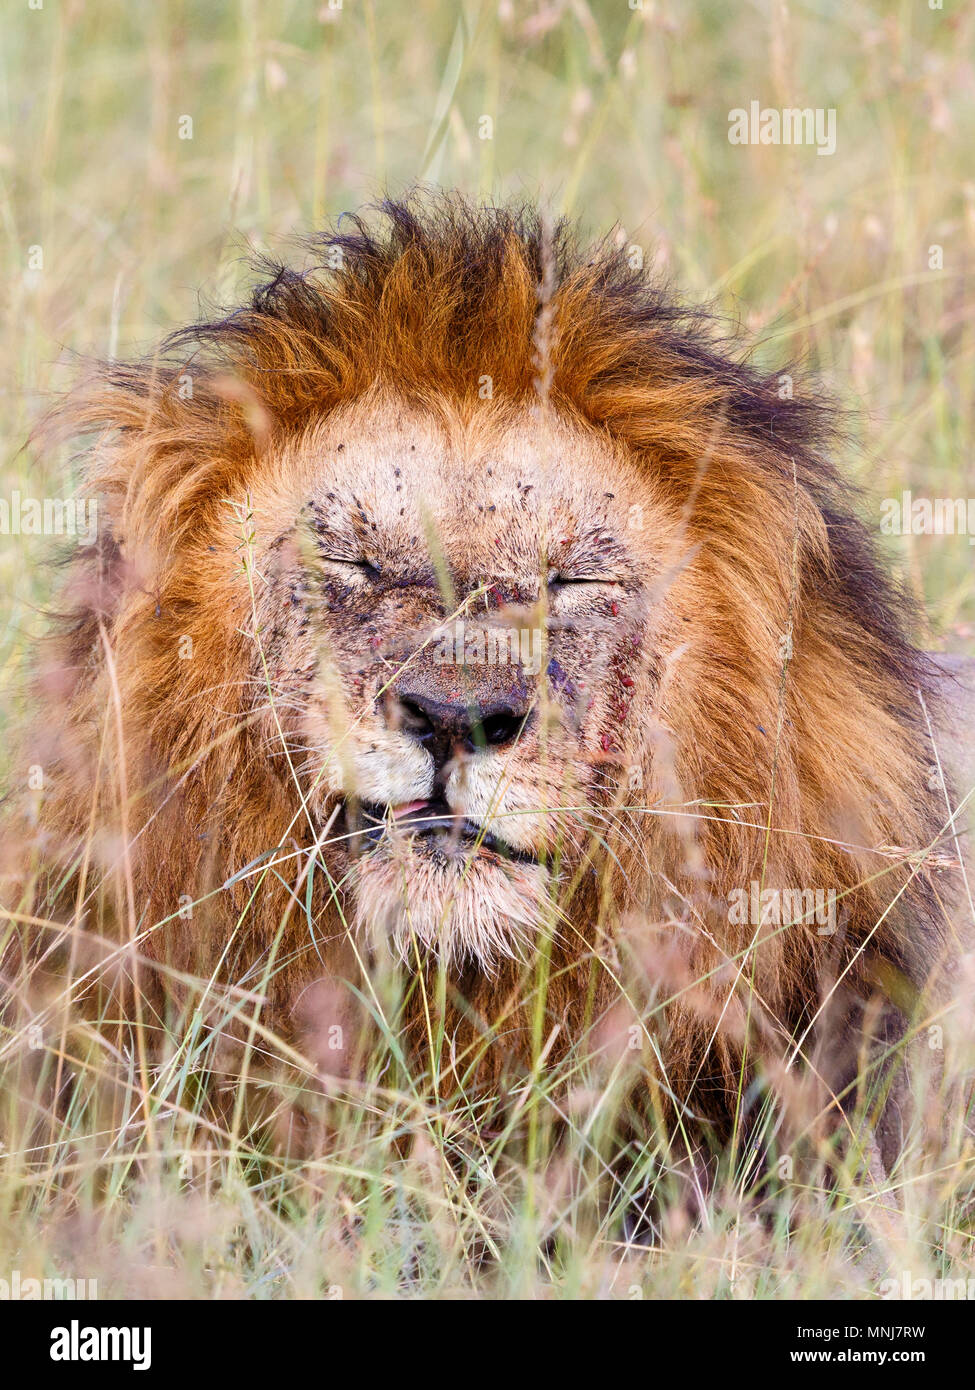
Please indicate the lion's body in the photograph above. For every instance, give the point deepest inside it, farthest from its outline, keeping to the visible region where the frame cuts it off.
(724, 700)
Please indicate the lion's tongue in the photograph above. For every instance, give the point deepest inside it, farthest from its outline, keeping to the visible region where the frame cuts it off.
(406, 808)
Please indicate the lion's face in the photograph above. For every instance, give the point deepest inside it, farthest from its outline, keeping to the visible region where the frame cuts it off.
(464, 632)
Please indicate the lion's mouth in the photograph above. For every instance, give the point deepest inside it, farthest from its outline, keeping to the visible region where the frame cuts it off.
(431, 826)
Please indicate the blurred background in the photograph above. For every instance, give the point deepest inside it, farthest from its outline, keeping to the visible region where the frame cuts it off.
(145, 147)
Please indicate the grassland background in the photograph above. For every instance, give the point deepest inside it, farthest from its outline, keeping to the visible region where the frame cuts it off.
(615, 115)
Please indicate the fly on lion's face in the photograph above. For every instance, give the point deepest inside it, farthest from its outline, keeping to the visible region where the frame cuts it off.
(462, 691)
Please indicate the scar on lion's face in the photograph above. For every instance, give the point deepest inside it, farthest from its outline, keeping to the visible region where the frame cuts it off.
(464, 641)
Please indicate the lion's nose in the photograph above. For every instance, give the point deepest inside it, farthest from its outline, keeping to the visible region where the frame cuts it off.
(449, 726)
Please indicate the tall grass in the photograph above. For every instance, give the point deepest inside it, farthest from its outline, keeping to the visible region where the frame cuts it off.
(141, 1176)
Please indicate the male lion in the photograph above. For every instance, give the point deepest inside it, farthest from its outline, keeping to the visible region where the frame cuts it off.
(461, 606)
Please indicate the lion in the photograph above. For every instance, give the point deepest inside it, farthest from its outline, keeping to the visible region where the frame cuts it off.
(464, 605)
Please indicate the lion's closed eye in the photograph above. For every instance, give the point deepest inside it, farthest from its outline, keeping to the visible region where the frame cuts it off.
(365, 567)
(557, 579)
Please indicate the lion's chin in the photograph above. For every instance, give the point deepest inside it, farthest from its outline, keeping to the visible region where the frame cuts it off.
(469, 909)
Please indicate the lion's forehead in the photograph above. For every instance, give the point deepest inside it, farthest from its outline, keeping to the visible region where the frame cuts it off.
(496, 495)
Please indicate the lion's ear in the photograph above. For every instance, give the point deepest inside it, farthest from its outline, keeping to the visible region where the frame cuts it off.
(95, 574)
(87, 602)
(109, 422)
(96, 580)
